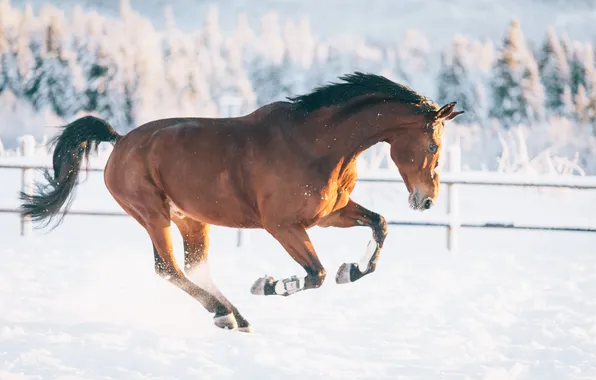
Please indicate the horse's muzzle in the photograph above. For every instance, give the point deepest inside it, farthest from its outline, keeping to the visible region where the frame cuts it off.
(420, 204)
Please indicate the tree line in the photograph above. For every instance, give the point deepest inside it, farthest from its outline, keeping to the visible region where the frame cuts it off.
(127, 72)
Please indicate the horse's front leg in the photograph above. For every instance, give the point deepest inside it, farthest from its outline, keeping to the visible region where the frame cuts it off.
(296, 242)
(353, 215)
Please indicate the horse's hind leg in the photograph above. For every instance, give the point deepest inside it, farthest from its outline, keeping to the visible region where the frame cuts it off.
(166, 267)
(195, 237)
(355, 215)
(150, 209)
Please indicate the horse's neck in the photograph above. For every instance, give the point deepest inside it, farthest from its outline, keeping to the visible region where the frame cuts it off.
(347, 139)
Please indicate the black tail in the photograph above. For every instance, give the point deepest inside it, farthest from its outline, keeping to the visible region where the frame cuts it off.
(72, 145)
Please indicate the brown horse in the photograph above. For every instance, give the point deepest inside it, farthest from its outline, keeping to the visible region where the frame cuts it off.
(286, 167)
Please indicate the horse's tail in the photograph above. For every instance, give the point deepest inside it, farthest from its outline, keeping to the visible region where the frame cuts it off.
(74, 143)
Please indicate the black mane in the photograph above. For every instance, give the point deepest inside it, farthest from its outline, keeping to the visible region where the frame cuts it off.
(358, 84)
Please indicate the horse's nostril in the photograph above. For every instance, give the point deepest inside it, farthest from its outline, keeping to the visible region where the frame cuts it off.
(427, 204)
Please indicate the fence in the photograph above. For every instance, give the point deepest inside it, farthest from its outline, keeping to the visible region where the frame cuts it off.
(453, 180)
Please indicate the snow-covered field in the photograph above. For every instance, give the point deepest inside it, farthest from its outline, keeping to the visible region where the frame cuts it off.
(83, 302)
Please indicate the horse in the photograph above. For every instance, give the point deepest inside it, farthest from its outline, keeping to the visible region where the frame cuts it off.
(286, 167)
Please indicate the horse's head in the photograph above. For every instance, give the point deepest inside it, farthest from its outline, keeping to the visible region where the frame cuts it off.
(416, 151)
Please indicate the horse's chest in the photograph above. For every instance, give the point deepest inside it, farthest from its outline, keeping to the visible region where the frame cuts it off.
(336, 193)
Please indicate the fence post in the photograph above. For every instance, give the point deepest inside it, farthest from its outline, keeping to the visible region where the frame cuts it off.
(239, 237)
(27, 147)
(453, 201)
(243, 238)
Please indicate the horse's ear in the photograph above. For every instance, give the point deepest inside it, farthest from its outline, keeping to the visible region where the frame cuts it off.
(446, 111)
(454, 115)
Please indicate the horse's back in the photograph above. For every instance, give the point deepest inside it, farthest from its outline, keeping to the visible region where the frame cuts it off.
(201, 164)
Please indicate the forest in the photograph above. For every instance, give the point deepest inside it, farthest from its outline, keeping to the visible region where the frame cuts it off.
(521, 99)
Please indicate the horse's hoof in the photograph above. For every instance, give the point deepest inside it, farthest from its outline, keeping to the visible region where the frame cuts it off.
(226, 322)
(343, 274)
(246, 329)
(258, 288)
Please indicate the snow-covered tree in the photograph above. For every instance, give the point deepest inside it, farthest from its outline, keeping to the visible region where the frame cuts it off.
(582, 103)
(5, 55)
(517, 94)
(568, 106)
(456, 82)
(271, 43)
(267, 80)
(51, 84)
(195, 98)
(582, 67)
(533, 92)
(299, 43)
(555, 74)
(414, 52)
(16, 59)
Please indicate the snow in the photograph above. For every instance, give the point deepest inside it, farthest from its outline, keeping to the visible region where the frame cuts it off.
(83, 302)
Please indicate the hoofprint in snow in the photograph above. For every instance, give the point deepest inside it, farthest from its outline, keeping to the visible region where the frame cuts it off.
(83, 301)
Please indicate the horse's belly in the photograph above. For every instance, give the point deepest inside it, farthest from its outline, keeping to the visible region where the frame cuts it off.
(219, 215)
(215, 207)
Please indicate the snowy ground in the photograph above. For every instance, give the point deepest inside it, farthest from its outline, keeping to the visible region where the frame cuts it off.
(83, 302)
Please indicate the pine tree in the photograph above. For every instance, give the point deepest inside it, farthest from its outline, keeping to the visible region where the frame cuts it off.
(582, 103)
(4, 56)
(455, 84)
(267, 81)
(24, 56)
(532, 92)
(235, 82)
(196, 98)
(109, 94)
(554, 72)
(16, 60)
(517, 93)
(130, 81)
(568, 106)
(51, 84)
(95, 70)
(271, 43)
(581, 67)
(129, 102)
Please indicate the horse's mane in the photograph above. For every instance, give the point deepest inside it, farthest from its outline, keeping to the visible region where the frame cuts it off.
(358, 84)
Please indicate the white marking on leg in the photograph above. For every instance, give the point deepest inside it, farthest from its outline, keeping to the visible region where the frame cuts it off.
(370, 251)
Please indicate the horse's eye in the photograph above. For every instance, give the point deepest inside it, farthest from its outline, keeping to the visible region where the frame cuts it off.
(433, 147)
